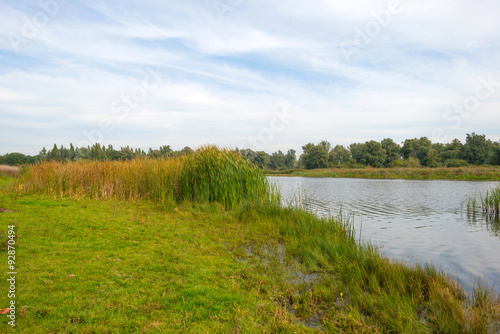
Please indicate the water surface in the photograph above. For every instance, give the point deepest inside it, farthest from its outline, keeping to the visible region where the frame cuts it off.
(412, 220)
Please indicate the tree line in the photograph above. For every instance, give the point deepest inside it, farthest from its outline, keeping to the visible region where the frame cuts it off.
(477, 150)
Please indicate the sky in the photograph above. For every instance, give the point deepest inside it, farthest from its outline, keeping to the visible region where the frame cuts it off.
(265, 75)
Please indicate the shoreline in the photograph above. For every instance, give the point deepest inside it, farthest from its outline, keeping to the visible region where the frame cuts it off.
(443, 173)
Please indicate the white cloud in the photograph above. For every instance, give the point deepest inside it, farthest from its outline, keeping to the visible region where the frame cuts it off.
(224, 76)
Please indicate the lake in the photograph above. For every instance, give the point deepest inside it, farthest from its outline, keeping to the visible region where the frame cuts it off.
(412, 220)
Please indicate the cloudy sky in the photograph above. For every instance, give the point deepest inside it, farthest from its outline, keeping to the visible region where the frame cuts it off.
(266, 75)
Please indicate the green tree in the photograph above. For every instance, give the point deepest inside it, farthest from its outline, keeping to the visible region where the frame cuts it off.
(261, 159)
(14, 159)
(166, 150)
(276, 160)
(495, 154)
(476, 149)
(339, 155)
(290, 159)
(126, 153)
(97, 152)
(42, 156)
(54, 154)
(72, 153)
(420, 149)
(392, 151)
(450, 151)
(315, 156)
(82, 153)
(370, 153)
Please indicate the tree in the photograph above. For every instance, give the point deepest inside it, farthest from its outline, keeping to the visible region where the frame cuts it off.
(97, 152)
(14, 159)
(339, 155)
(290, 159)
(165, 150)
(391, 150)
(82, 153)
(315, 156)
(476, 149)
(261, 159)
(54, 154)
(420, 149)
(126, 153)
(42, 156)
(495, 154)
(276, 160)
(375, 154)
(370, 153)
(450, 151)
(72, 154)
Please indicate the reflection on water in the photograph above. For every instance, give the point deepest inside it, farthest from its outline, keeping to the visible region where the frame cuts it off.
(492, 223)
(412, 220)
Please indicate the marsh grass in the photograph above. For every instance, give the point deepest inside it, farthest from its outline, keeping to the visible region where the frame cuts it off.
(209, 174)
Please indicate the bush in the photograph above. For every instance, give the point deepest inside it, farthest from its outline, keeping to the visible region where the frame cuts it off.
(456, 163)
(411, 162)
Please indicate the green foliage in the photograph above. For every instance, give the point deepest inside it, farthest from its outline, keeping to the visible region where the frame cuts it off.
(370, 153)
(290, 159)
(339, 155)
(456, 163)
(392, 151)
(315, 156)
(411, 162)
(277, 160)
(476, 149)
(422, 150)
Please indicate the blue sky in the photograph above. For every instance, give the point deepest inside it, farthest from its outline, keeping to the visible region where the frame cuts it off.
(257, 74)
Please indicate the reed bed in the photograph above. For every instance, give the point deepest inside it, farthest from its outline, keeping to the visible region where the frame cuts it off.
(209, 174)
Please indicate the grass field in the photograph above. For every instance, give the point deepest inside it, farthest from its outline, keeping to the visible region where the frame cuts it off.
(90, 264)
(449, 173)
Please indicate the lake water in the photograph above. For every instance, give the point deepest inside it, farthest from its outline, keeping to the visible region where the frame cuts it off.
(412, 220)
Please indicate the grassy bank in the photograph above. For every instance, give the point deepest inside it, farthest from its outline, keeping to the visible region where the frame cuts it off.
(455, 173)
(94, 264)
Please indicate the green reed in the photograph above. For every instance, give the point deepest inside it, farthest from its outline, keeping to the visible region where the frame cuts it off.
(488, 203)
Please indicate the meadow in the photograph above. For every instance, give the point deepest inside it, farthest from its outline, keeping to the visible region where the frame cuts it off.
(203, 244)
(421, 173)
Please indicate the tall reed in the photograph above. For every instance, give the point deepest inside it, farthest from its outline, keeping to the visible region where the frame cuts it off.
(208, 174)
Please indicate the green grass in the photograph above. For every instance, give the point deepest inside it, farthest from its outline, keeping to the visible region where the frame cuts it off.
(471, 173)
(144, 265)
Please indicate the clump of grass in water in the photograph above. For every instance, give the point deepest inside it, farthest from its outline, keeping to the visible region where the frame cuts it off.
(209, 174)
(490, 203)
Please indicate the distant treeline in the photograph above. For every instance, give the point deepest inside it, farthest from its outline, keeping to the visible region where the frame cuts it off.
(477, 150)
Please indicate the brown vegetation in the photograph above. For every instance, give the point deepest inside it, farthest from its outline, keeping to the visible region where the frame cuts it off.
(10, 170)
